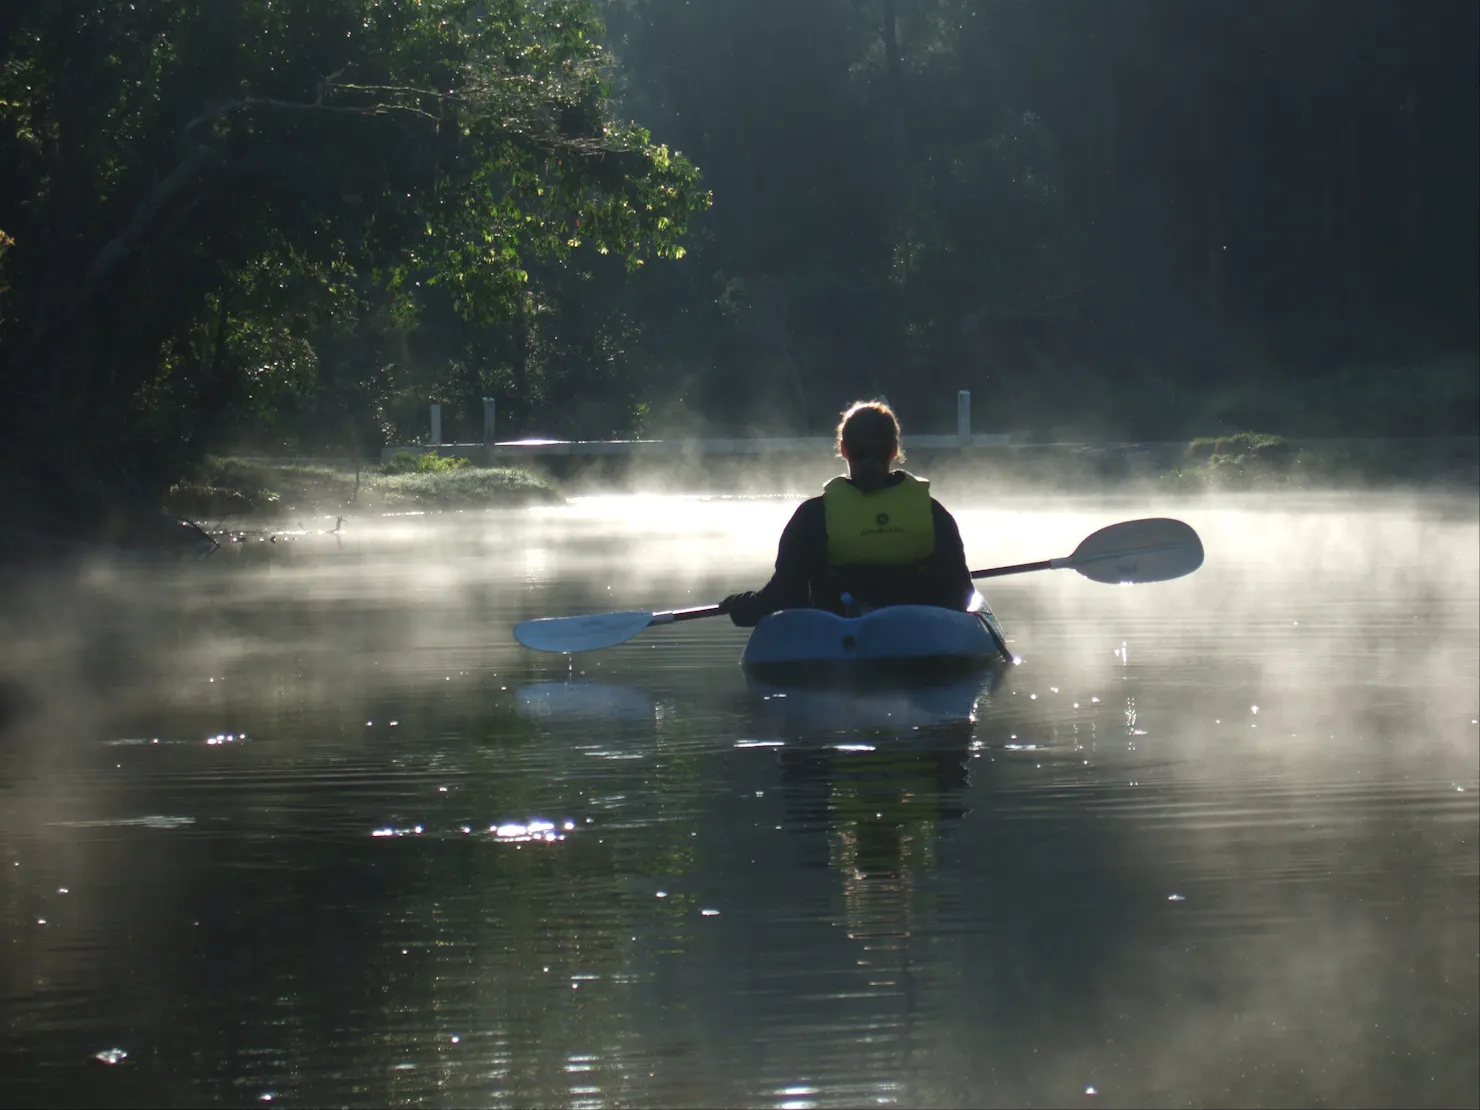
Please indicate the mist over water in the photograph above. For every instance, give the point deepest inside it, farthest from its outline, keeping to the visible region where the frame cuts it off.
(303, 824)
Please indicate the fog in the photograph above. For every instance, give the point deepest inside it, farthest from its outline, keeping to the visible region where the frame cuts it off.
(1210, 840)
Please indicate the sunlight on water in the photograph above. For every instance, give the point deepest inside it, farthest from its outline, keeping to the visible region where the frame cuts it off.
(316, 831)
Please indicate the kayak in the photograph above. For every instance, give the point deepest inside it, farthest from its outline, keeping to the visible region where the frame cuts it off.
(903, 636)
(897, 644)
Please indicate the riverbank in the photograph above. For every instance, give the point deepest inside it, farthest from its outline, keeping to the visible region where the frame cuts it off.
(1250, 460)
(1238, 461)
(234, 489)
(56, 512)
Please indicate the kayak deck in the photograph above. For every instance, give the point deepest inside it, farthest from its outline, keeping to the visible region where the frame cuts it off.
(899, 644)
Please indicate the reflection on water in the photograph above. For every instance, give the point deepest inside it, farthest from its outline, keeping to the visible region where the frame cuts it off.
(892, 709)
(315, 831)
(575, 700)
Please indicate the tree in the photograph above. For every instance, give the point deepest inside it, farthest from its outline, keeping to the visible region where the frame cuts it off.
(198, 185)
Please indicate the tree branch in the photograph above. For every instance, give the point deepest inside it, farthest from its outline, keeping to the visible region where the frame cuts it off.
(535, 133)
(306, 106)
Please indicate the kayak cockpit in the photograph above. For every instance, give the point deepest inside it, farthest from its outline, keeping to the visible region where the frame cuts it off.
(905, 644)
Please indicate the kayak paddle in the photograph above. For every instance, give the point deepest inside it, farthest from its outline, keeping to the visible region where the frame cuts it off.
(1151, 550)
(601, 630)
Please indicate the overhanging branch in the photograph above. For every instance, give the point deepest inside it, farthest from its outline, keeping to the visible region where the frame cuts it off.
(533, 125)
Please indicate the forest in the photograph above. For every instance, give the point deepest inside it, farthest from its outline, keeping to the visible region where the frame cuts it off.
(287, 226)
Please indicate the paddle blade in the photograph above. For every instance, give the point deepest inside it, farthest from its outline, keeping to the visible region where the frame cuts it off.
(588, 633)
(1151, 550)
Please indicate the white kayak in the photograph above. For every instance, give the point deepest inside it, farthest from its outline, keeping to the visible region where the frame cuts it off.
(906, 643)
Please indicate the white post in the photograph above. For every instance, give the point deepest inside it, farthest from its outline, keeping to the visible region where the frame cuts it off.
(436, 425)
(963, 416)
(490, 409)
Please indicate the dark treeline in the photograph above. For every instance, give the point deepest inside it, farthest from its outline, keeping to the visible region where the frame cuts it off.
(291, 226)
(1144, 218)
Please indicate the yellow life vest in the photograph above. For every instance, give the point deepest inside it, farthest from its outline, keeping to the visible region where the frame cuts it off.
(893, 526)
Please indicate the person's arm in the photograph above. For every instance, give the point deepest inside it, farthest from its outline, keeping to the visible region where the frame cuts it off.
(803, 541)
(949, 559)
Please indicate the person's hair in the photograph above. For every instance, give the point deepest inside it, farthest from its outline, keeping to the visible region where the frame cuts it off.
(869, 430)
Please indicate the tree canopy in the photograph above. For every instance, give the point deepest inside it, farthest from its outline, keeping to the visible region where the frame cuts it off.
(205, 195)
(1148, 218)
(293, 223)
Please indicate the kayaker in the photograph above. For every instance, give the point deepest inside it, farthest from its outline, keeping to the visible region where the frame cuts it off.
(875, 536)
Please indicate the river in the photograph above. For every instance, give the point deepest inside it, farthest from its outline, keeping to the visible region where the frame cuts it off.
(302, 825)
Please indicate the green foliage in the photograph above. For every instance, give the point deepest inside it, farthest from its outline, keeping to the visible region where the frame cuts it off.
(234, 488)
(1249, 460)
(1237, 446)
(202, 196)
(421, 462)
(464, 487)
(226, 486)
(195, 501)
(288, 227)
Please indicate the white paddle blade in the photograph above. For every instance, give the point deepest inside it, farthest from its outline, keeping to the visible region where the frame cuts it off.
(1151, 550)
(567, 634)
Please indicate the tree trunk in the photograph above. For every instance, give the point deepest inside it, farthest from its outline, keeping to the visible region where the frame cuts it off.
(897, 176)
(894, 73)
(1214, 230)
(56, 365)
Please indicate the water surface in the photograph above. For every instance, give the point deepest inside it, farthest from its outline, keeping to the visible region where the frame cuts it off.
(305, 826)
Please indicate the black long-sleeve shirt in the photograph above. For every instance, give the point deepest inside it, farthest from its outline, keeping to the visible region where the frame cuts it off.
(803, 578)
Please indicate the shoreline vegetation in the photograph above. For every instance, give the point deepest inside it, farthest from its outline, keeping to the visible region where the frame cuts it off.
(1252, 460)
(59, 514)
(233, 491)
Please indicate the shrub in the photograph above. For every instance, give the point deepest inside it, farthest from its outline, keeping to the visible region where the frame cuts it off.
(1237, 446)
(420, 462)
(468, 486)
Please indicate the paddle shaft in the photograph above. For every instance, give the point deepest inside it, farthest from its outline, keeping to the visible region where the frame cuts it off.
(1020, 568)
(1076, 560)
(686, 614)
(992, 572)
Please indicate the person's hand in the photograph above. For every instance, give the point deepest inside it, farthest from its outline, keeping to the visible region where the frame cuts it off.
(742, 609)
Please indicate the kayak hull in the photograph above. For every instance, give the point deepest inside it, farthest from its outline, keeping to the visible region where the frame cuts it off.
(897, 645)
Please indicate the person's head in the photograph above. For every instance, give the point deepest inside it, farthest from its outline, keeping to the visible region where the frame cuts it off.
(868, 436)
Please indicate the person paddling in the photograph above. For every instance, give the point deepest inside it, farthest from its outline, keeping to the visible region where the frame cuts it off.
(874, 538)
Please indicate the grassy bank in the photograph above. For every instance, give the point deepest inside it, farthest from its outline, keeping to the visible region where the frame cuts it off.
(1252, 460)
(230, 488)
(234, 489)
